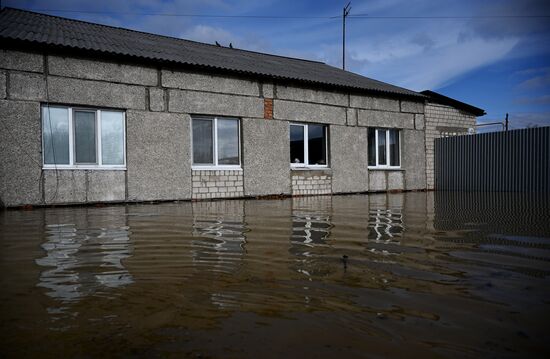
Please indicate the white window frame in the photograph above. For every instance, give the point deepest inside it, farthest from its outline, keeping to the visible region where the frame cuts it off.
(306, 146)
(215, 165)
(386, 166)
(87, 166)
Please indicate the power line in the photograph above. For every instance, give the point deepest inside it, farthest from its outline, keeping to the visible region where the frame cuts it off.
(358, 16)
(182, 15)
(366, 16)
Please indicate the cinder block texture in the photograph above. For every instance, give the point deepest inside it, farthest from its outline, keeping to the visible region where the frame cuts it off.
(266, 157)
(348, 159)
(372, 118)
(25, 86)
(395, 180)
(20, 151)
(215, 104)
(65, 186)
(310, 95)
(106, 186)
(159, 158)
(217, 184)
(22, 61)
(351, 117)
(95, 93)
(374, 103)
(2, 85)
(210, 83)
(311, 182)
(308, 112)
(102, 70)
(419, 121)
(414, 161)
(412, 107)
(438, 117)
(377, 181)
(156, 99)
(268, 90)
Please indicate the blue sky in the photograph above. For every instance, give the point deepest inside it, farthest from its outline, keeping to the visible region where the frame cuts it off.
(501, 65)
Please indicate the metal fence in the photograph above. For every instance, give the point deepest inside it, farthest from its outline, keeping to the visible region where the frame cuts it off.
(511, 161)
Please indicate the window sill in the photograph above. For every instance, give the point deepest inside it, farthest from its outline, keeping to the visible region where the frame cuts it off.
(386, 169)
(77, 168)
(216, 168)
(305, 168)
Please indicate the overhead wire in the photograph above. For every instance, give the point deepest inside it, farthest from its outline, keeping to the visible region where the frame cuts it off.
(282, 17)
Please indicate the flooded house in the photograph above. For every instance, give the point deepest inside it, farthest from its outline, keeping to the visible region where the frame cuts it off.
(93, 113)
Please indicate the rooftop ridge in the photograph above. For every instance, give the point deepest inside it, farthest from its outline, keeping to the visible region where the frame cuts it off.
(159, 35)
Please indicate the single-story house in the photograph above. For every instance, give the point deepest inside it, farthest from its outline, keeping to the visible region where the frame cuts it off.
(92, 113)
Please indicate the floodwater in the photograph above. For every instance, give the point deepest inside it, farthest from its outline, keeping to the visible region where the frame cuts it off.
(386, 275)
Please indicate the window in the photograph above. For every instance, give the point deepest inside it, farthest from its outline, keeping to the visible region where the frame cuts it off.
(308, 145)
(216, 142)
(384, 148)
(83, 138)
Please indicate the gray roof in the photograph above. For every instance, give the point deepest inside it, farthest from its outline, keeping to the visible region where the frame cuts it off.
(444, 100)
(30, 28)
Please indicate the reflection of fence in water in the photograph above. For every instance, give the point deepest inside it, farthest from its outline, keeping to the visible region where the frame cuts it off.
(523, 214)
(513, 226)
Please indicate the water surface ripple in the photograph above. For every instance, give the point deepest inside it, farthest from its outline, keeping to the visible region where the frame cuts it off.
(405, 275)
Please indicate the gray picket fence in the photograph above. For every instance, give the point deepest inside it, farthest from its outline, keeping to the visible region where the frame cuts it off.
(510, 161)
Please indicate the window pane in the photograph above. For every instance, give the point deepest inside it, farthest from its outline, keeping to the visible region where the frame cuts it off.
(203, 150)
(394, 148)
(112, 138)
(84, 137)
(296, 144)
(382, 147)
(55, 132)
(372, 147)
(228, 142)
(317, 151)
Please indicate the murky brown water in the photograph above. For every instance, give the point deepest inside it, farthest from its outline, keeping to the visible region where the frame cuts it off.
(426, 275)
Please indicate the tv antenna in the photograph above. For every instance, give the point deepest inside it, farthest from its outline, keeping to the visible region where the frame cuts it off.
(345, 13)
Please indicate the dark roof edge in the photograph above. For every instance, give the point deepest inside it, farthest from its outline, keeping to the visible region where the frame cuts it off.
(444, 100)
(60, 50)
(154, 34)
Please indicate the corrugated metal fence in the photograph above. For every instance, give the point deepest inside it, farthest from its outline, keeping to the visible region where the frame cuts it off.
(513, 161)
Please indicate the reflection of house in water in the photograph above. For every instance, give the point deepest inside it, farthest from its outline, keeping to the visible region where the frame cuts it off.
(385, 221)
(310, 221)
(84, 254)
(219, 229)
(310, 229)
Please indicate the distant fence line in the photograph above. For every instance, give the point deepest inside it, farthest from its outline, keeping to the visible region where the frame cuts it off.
(511, 161)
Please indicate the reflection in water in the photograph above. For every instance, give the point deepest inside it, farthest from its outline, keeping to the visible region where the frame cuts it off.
(415, 274)
(219, 229)
(310, 220)
(385, 225)
(83, 261)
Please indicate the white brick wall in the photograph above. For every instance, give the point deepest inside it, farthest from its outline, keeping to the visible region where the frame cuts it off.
(217, 184)
(437, 119)
(311, 184)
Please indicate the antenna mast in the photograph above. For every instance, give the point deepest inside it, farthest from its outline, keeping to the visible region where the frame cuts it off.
(345, 13)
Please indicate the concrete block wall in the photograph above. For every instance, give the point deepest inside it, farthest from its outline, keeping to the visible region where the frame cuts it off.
(209, 184)
(307, 183)
(440, 121)
(159, 103)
